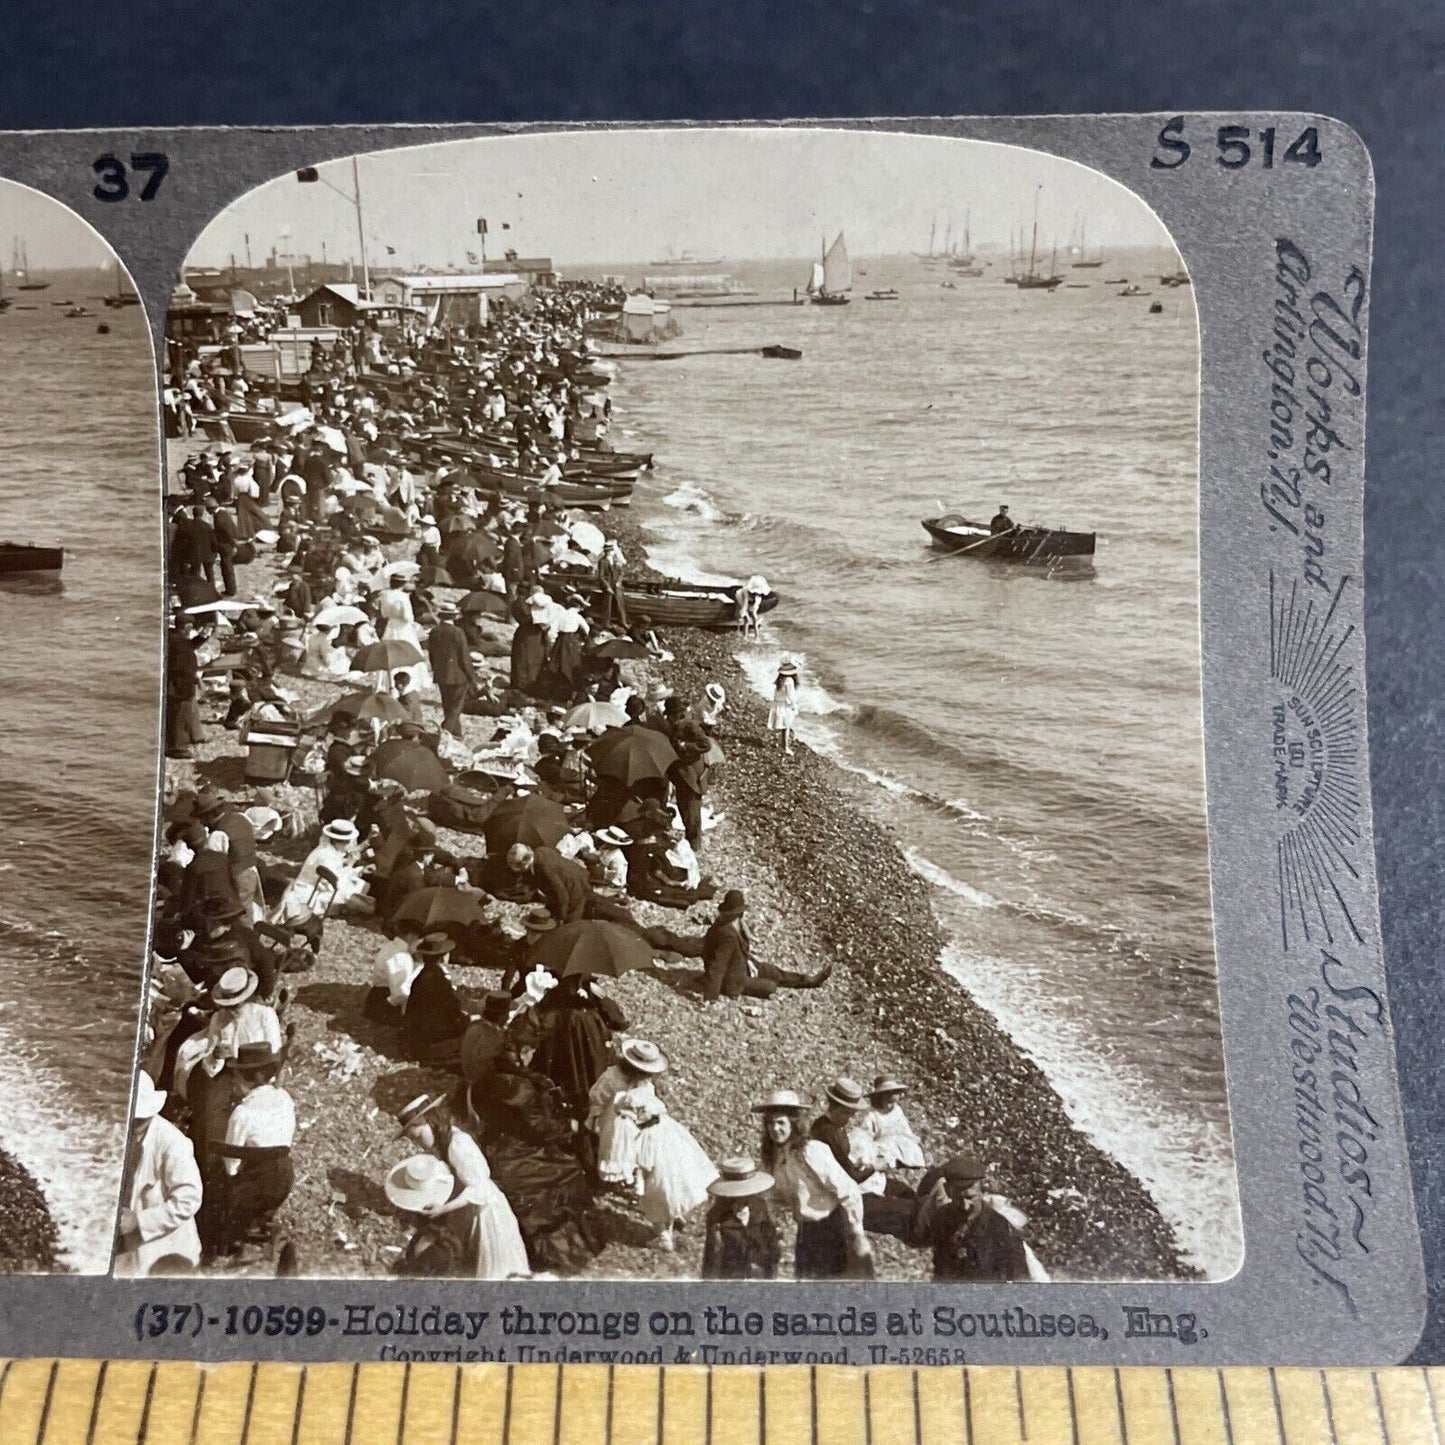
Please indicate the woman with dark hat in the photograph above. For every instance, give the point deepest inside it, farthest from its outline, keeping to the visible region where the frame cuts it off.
(816, 1190)
(576, 1023)
(742, 1236)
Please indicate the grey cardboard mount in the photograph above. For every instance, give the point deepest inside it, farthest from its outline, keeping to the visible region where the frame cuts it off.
(1280, 262)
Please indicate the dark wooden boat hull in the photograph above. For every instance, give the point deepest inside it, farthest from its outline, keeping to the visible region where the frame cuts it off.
(16, 558)
(1024, 546)
(668, 604)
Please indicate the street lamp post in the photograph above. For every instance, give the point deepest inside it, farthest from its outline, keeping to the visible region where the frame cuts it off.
(310, 175)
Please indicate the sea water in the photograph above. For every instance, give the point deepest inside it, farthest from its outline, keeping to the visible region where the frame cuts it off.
(1035, 740)
(80, 722)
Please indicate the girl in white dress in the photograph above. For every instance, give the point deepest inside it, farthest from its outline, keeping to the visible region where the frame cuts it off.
(883, 1138)
(669, 1169)
(783, 715)
(428, 1122)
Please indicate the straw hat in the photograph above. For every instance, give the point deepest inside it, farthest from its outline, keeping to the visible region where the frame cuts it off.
(715, 694)
(421, 1184)
(788, 668)
(780, 1101)
(341, 830)
(643, 1055)
(149, 1100)
(739, 1178)
(757, 584)
(612, 836)
(234, 987)
(410, 1112)
(847, 1092)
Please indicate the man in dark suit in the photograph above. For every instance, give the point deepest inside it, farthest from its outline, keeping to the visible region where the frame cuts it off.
(971, 1240)
(223, 528)
(183, 678)
(892, 1211)
(727, 970)
(193, 547)
(451, 666)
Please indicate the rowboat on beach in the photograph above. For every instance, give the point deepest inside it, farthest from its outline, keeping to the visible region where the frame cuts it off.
(668, 603)
(21, 557)
(1027, 546)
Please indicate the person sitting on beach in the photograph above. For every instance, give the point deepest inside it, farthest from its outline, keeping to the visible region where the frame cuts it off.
(256, 1174)
(435, 1019)
(970, 1239)
(888, 1204)
(393, 972)
(163, 1191)
(741, 1239)
(882, 1138)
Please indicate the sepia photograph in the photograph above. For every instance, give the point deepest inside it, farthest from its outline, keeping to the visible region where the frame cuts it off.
(682, 723)
(80, 606)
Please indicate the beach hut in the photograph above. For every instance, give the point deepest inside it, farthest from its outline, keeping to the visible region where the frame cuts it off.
(645, 319)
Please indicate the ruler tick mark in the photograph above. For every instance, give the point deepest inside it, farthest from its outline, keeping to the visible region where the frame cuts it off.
(195, 1413)
(1019, 1403)
(401, 1413)
(456, 1404)
(44, 1424)
(300, 1405)
(557, 1410)
(1073, 1406)
(1329, 1406)
(94, 1404)
(611, 1390)
(1278, 1407)
(145, 1415)
(507, 1411)
(351, 1402)
(1119, 1406)
(1224, 1409)
(967, 1406)
(250, 1402)
(1173, 1404)
(917, 1413)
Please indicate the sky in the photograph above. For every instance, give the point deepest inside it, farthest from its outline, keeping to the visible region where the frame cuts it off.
(54, 237)
(637, 196)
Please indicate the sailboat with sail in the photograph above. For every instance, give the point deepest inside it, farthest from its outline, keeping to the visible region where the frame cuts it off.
(1085, 262)
(930, 254)
(1033, 279)
(832, 277)
(20, 265)
(122, 297)
(965, 263)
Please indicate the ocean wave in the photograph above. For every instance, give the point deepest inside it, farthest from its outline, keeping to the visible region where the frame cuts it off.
(928, 870)
(1185, 1162)
(692, 499)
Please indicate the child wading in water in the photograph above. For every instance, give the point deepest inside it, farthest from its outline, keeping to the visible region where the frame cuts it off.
(783, 715)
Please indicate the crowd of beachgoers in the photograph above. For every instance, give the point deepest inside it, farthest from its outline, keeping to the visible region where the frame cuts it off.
(456, 958)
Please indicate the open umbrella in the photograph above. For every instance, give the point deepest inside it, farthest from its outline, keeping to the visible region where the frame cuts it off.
(225, 604)
(533, 820)
(592, 946)
(596, 717)
(620, 649)
(475, 547)
(363, 706)
(339, 615)
(440, 909)
(633, 754)
(485, 604)
(386, 655)
(411, 764)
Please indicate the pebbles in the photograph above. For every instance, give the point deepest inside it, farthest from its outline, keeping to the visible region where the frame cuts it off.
(28, 1241)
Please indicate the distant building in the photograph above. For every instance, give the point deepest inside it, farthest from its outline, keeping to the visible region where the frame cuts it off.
(450, 300)
(644, 319)
(538, 270)
(341, 304)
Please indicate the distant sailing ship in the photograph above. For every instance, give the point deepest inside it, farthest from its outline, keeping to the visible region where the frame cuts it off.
(20, 265)
(965, 263)
(832, 277)
(122, 296)
(1085, 262)
(1033, 279)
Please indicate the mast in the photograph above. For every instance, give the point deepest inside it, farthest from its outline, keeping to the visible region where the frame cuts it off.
(1034, 243)
(967, 238)
(932, 232)
(948, 238)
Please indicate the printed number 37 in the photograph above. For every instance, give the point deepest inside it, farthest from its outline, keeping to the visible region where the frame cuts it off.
(115, 180)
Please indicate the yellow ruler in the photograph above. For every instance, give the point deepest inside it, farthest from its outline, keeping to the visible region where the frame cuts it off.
(79, 1402)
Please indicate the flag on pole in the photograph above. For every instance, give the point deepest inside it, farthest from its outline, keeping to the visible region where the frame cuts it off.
(472, 257)
(391, 250)
(481, 226)
(506, 225)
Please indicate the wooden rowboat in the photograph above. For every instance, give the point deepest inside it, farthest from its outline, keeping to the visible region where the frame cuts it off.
(1026, 546)
(667, 603)
(19, 557)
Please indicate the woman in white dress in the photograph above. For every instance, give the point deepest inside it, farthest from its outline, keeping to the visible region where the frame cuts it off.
(312, 893)
(783, 715)
(669, 1169)
(393, 608)
(322, 658)
(428, 1122)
